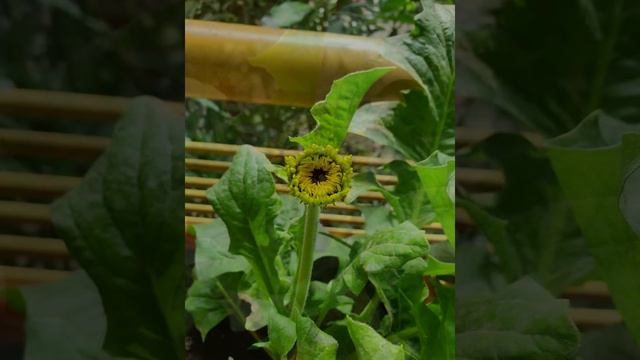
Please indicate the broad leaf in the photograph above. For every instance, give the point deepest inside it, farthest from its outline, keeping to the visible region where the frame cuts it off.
(438, 174)
(313, 343)
(521, 321)
(629, 204)
(212, 256)
(436, 323)
(64, 310)
(408, 198)
(334, 113)
(385, 258)
(246, 200)
(370, 345)
(436, 267)
(211, 300)
(424, 122)
(529, 222)
(591, 162)
(124, 225)
(282, 335)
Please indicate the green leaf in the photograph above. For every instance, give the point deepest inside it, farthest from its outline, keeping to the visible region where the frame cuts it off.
(286, 14)
(495, 229)
(530, 223)
(261, 307)
(408, 198)
(131, 201)
(629, 204)
(591, 162)
(521, 321)
(370, 345)
(334, 113)
(246, 200)
(437, 326)
(64, 310)
(211, 300)
(282, 335)
(424, 122)
(386, 256)
(313, 343)
(390, 249)
(437, 173)
(436, 267)
(212, 257)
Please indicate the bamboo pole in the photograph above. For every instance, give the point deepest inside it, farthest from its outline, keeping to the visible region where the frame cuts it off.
(276, 66)
(330, 218)
(67, 105)
(335, 231)
(281, 188)
(33, 246)
(51, 145)
(12, 276)
(587, 317)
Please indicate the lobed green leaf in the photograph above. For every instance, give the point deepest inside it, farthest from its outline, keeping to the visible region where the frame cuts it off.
(335, 112)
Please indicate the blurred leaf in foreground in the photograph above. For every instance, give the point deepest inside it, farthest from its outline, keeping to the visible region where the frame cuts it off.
(591, 162)
(131, 201)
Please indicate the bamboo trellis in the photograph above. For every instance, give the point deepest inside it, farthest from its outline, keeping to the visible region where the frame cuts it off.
(26, 196)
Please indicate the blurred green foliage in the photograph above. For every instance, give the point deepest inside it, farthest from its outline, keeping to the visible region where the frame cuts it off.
(92, 46)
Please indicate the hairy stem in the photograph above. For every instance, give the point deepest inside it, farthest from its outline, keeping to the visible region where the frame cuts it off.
(305, 261)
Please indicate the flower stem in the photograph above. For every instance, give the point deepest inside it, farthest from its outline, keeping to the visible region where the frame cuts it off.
(305, 261)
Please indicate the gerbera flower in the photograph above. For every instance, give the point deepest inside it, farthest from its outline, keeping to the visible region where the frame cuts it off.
(319, 175)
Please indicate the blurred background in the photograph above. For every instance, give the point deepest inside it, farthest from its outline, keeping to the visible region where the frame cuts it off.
(52, 55)
(549, 228)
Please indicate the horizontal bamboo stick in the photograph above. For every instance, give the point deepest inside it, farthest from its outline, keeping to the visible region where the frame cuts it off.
(51, 145)
(281, 188)
(29, 184)
(16, 211)
(272, 153)
(335, 231)
(471, 179)
(12, 276)
(480, 179)
(33, 246)
(332, 218)
(591, 289)
(217, 166)
(67, 105)
(588, 317)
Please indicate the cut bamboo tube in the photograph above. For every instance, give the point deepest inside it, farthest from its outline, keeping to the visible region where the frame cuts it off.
(66, 105)
(33, 246)
(276, 66)
(12, 276)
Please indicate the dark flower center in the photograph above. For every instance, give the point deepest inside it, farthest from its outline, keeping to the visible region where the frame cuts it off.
(318, 175)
